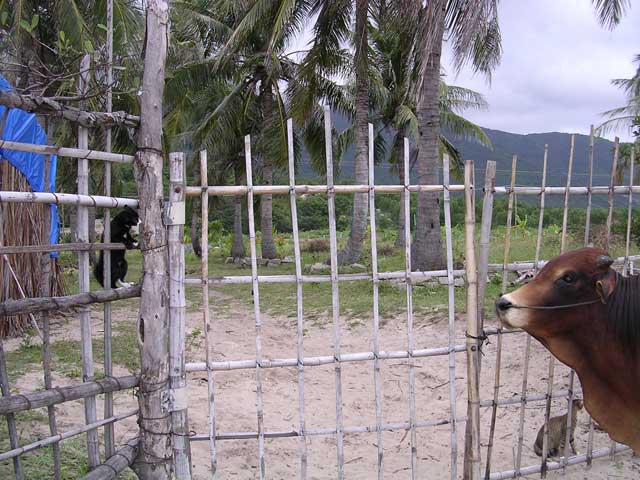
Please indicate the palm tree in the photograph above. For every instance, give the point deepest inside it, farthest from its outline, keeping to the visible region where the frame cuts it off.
(353, 248)
(394, 105)
(253, 59)
(626, 116)
(475, 35)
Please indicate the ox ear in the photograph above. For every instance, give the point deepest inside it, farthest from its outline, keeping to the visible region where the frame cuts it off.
(605, 285)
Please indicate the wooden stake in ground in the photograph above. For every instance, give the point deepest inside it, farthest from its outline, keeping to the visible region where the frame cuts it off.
(154, 457)
(82, 219)
(177, 319)
(472, 454)
(45, 291)
(109, 433)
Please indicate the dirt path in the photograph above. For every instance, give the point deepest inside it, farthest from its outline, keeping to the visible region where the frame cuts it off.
(235, 394)
(233, 328)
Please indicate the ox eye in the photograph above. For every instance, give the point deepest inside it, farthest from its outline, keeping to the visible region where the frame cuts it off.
(569, 278)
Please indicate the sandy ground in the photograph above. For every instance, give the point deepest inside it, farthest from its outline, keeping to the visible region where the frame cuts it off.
(235, 394)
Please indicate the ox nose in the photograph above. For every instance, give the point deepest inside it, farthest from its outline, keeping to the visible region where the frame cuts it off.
(502, 304)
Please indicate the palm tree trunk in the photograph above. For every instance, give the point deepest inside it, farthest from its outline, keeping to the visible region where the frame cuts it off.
(427, 251)
(266, 201)
(353, 249)
(195, 236)
(400, 166)
(237, 248)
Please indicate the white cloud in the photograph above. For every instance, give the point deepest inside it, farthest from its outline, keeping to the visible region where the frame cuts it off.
(556, 68)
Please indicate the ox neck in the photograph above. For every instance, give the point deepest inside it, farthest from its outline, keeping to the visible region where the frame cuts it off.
(594, 348)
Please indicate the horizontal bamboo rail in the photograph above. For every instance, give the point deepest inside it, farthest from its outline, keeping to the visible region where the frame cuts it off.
(330, 359)
(47, 106)
(354, 277)
(67, 199)
(61, 247)
(362, 429)
(47, 304)
(236, 190)
(603, 452)
(64, 436)
(67, 152)
(45, 398)
(122, 459)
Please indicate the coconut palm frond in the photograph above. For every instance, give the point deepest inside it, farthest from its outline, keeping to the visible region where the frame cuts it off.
(610, 12)
(463, 128)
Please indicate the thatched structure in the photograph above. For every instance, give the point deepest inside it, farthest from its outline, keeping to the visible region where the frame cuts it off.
(22, 224)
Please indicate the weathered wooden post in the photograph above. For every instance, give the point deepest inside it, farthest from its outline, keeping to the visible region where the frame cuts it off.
(82, 232)
(177, 400)
(472, 450)
(154, 459)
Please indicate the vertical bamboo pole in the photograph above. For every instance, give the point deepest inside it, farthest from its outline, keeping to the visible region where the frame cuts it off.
(82, 220)
(565, 213)
(256, 305)
(335, 292)
(507, 248)
(45, 291)
(377, 380)
(625, 269)
(485, 236)
(452, 318)
(527, 350)
(5, 389)
(483, 267)
(472, 453)
(551, 372)
(409, 292)
(572, 373)
(614, 167)
(177, 321)
(208, 331)
(587, 226)
(109, 429)
(299, 310)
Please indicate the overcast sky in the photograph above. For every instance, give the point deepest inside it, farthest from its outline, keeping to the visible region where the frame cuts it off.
(556, 68)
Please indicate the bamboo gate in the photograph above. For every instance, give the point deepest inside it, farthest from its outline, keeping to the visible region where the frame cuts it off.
(477, 462)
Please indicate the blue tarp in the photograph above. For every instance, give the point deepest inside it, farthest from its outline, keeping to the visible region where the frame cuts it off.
(21, 126)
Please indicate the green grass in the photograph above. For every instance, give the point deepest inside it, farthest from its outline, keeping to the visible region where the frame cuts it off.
(66, 355)
(38, 465)
(355, 297)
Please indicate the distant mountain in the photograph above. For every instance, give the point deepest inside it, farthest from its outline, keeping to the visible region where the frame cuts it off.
(530, 151)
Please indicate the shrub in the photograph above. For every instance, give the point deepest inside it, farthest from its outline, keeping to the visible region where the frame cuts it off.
(315, 245)
(386, 250)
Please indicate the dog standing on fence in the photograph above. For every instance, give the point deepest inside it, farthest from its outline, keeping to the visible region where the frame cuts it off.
(121, 226)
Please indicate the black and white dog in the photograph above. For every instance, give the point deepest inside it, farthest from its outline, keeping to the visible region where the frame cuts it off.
(121, 226)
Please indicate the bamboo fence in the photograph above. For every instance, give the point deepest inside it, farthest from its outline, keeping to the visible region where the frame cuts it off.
(475, 326)
(475, 271)
(31, 285)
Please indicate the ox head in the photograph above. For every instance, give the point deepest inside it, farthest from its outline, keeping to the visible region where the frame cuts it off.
(554, 301)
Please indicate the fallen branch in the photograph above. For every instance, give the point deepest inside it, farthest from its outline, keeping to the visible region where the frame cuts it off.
(47, 304)
(47, 106)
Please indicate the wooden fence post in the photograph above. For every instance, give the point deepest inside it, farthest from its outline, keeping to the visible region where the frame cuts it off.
(177, 319)
(82, 231)
(154, 457)
(472, 452)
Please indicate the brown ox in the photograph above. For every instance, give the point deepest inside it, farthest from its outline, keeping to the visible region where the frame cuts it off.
(588, 316)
